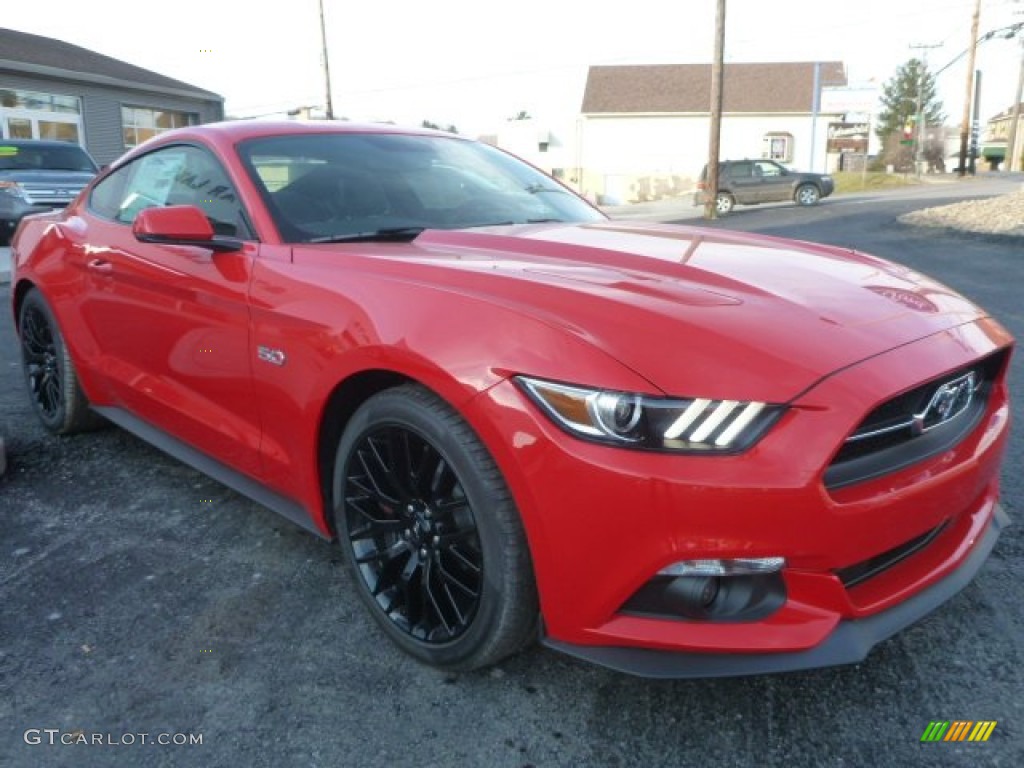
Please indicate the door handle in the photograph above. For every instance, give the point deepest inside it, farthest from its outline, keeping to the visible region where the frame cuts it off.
(102, 266)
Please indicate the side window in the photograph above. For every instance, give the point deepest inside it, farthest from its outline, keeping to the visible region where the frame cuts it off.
(108, 195)
(769, 169)
(741, 170)
(178, 175)
(201, 181)
(151, 183)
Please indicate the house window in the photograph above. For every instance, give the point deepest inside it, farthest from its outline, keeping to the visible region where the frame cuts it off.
(778, 146)
(39, 102)
(34, 115)
(141, 123)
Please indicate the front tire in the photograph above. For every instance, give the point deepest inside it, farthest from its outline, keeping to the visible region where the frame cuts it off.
(431, 534)
(57, 397)
(807, 194)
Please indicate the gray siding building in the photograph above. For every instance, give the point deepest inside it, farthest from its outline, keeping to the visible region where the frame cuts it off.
(50, 89)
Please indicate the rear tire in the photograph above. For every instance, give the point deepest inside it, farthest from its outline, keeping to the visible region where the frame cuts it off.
(430, 533)
(57, 397)
(724, 203)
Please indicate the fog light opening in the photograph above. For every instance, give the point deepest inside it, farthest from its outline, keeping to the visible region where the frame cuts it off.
(712, 590)
(695, 595)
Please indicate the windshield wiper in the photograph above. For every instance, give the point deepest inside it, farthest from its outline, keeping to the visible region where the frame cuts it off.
(400, 234)
(510, 223)
(533, 189)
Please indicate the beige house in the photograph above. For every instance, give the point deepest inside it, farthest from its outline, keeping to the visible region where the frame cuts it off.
(997, 134)
(643, 130)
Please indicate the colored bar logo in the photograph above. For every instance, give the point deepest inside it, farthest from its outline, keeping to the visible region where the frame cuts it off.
(958, 730)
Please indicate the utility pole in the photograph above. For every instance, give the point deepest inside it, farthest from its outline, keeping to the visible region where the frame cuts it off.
(976, 122)
(1012, 153)
(922, 69)
(327, 68)
(815, 108)
(965, 124)
(714, 141)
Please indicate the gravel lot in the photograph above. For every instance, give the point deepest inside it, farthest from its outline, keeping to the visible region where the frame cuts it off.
(1002, 215)
(137, 596)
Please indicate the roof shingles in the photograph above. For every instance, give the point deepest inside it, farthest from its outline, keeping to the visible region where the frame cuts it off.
(686, 88)
(36, 50)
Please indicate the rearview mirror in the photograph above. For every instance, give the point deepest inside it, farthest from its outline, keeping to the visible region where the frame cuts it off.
(180, 225)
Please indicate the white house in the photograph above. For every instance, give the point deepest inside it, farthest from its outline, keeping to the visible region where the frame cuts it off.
(643, 130)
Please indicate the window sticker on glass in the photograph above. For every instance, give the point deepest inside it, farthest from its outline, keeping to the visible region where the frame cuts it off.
(8, 151)
(151, 184)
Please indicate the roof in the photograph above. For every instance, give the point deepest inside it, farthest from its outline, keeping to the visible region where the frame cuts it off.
(34, 54)
(686, 88)
(1006, 114)
(241, 130)
(224, 135)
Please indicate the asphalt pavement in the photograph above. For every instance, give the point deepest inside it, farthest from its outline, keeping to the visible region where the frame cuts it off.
(139, 597)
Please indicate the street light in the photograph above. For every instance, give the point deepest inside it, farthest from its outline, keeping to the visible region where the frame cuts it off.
(1007, 32)
(1010, 31)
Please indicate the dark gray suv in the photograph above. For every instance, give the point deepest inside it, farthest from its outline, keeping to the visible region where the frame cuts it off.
(39, 176)
(748, 182)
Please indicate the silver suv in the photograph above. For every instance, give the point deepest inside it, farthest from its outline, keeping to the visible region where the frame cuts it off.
(39, 176)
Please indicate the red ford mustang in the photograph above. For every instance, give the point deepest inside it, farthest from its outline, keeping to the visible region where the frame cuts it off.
(672, 451)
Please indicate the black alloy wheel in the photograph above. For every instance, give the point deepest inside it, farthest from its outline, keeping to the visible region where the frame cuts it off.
(430, 533)
(413, 534)
(50, 374)
(39, 351)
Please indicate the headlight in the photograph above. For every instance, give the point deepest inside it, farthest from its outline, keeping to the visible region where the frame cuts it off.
(694, 425)
(14, 189)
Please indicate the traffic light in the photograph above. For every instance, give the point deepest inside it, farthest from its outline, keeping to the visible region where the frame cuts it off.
(908, 131)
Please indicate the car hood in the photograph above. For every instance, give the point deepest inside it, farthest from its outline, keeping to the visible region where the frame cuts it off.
(695, 311)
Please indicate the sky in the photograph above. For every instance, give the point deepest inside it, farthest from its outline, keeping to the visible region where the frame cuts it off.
(473, 64)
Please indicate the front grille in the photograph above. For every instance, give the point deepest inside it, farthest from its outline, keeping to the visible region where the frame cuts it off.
(860, 572)
(51, 194)
(924, 421)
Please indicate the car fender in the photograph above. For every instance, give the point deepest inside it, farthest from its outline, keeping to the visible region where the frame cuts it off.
(456, 345)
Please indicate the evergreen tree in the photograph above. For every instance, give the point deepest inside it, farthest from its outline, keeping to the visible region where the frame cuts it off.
(899, 107)
(438, 127)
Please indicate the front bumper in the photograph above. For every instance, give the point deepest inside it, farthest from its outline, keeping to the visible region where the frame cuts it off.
(602, 521)
(849, 643)
(13, 210)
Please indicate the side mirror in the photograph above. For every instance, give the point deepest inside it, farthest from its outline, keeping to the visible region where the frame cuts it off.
(180, 225)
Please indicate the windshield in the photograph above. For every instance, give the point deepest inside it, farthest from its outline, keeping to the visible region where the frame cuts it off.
(19, 157)
(348, 186)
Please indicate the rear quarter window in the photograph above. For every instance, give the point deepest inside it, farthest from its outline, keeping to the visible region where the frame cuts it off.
(107, 195)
